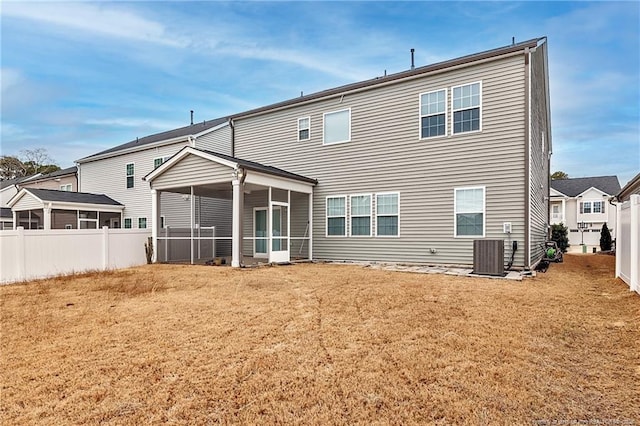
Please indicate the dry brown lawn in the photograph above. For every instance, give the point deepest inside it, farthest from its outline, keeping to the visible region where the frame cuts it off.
(321, 344)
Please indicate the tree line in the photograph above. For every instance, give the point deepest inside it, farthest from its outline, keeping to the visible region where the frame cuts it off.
(28, 163)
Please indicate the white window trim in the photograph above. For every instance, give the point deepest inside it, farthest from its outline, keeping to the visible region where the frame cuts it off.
(146, 222)
(376, 227)
(484, 212)
(351, 216)
(308, 118)
(165, 158)
(453, 111)
(323, 126)
(126, 171)
(420, 116)
(124, 221)
(326, 216)
(67, 185)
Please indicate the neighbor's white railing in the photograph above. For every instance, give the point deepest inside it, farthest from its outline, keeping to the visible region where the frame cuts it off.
(31, 254)
(628, 243)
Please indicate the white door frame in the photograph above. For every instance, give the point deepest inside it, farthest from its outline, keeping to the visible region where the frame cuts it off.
(283, 254)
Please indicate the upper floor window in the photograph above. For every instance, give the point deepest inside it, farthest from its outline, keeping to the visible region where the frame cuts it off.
(466, 108)
(433, 115)
(388, 214)
(142, 222)
(337, 126)
(598, 206)
(130, 173)
(592, 207)
(361, 215)
(585, 207)
(68, 187)
(304, 129)
(157, 162)
(469, 212)
(337, 216)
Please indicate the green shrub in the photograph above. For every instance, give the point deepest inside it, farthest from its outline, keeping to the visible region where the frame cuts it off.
(559, 234)
(605, 238)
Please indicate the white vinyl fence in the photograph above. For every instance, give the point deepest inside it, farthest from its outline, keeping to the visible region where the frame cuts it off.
(31, 254)
(628, 243)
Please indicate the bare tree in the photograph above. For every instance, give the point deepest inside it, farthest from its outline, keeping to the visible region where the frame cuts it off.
(35, 159)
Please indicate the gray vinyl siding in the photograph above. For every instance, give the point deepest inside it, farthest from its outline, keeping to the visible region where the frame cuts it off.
(108, 176)
(217, 141)
(539, 155)
(385, 154)
(192, 171)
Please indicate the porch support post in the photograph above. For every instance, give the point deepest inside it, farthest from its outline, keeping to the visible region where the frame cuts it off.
(192, 203)
(155, 222)
(310, 226)
(269, 227)
(564, 213)
(236, 237)
(47, 217)
(15, 220)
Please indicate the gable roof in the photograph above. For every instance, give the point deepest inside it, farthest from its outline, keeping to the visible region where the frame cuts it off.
(12, 182)
(522, 46)
(576, 186)
(182, 132)
(228, 160)
(53, 195)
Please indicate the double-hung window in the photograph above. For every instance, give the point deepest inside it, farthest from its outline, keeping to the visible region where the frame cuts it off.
(130, 175)
(337, 216)
(433, 114)
(585, 207)
(157, 162)
(337, 126)
(142, 222)
(127, 223)
(360, 215)
(387, 214)
(469, 212)
(466, 108)
(598, 206)
(304, 129)
(67, 187)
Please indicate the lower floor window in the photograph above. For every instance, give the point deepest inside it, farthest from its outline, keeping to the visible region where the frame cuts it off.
(142, 222)
(127, 223)
(469, 212)
(387, 214)
(336, 216)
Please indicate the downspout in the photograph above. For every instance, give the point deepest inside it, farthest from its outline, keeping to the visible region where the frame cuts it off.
(79, 181)
(527, 160)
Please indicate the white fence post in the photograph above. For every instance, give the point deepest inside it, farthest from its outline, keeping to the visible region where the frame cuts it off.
(22, 256)
(618, 239)
(634, 252)
(105, 248)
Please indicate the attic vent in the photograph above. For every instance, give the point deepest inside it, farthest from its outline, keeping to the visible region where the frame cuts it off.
(488, 257)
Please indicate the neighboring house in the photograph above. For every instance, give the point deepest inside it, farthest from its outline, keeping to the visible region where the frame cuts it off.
(61, 180)
(409, 167)
(117, 172)
(35, 208)
(632, 187)
(582, 205)
(8, 189)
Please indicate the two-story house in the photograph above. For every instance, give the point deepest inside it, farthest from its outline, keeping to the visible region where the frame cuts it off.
(408, 167)
(582, 205)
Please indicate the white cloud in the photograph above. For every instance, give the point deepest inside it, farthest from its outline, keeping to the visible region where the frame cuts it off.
(148, 123)
(101, 19)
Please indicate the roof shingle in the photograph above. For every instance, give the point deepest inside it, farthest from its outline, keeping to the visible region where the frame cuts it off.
(576, 186)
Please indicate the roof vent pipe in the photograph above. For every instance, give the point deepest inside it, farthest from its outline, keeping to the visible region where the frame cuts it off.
(192, 117)
(513, 41)
(412, 63)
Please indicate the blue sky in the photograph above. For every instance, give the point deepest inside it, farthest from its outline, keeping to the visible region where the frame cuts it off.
(80, 77)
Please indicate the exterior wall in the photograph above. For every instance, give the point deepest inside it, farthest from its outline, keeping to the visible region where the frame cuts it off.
(108, 176)
(28, 255)
(217, 141)
(386, 154)
(540, 138)
(591, 235)
(27, 202)
(53, 183)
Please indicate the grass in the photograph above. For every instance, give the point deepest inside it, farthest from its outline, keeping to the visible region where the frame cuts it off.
(321, 344)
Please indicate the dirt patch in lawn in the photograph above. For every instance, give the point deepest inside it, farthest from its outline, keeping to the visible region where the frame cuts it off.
(318, 344)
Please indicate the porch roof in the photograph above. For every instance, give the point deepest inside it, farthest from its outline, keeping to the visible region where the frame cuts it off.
(226, 160)
(61, 199)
